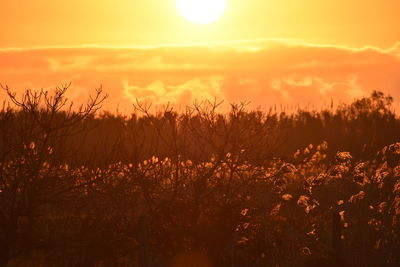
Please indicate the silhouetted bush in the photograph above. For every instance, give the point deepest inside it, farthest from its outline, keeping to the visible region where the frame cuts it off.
(246, 188)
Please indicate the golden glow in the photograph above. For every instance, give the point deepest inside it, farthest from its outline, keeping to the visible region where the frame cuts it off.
(264, 52)
(201, 11)
(158, 22)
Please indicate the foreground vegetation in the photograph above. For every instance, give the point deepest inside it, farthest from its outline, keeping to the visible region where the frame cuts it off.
(247, 188)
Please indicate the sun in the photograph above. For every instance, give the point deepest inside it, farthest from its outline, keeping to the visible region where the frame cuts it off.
(201, 11)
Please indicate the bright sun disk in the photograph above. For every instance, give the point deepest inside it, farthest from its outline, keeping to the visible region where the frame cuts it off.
(201, 11)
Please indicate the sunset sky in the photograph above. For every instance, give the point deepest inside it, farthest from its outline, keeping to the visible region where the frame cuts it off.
(267, 52)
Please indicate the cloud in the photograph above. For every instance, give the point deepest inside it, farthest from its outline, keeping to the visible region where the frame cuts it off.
(182, 94)
(264, 73)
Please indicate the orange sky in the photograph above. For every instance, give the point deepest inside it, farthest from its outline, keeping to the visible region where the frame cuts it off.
(284, 52)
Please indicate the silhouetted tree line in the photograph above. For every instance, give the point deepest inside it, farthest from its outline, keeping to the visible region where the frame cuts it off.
(197, 188)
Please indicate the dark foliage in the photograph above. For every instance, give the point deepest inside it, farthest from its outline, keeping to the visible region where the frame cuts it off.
(198, 188)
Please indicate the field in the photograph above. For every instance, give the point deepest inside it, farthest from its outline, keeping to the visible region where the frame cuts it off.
(84, 187)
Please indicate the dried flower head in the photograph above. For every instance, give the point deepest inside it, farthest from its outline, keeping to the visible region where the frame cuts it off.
(343, 157)
(287, 197)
